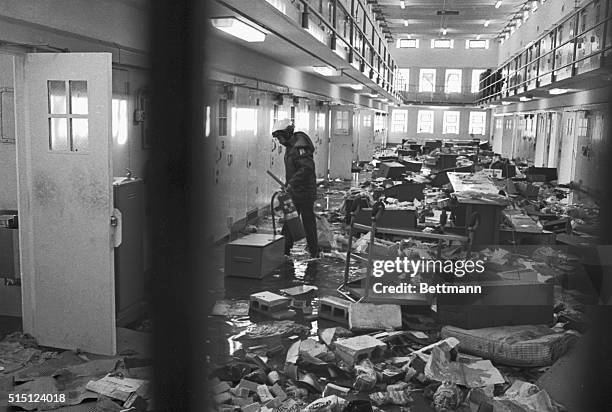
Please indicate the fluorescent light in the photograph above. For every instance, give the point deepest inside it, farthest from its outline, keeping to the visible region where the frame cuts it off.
(324, 70)
(525, 99)
(240, 29)
(405, 23)
(492, 106)
(444, 31)
(403, 4)
(506, 103)
(486, 23)
(558, 91)
(384, 99)
(498, 4)
(356, 86)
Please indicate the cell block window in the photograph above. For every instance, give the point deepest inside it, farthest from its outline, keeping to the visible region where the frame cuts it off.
(408, 44)
(425, 121)
(476, 80)
(442, 43)
(367, 121)
(68, 110)
(450, 122)
(399, 121)
(478, 121)
(403, 76)
(477, 44)
(427, 80)
(452, 81)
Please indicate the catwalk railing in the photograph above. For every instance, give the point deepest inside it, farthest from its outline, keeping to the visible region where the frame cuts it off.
(579, 44)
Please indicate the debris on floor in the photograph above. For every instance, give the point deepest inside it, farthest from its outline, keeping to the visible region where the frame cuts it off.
(49, 379)
(337, 353)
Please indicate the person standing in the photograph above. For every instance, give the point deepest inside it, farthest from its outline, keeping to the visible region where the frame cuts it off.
(300, 181)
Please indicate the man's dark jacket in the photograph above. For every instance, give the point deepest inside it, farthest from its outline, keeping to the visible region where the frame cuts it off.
(300, 169)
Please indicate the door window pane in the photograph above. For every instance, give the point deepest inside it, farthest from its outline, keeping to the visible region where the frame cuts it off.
(57, 96)
(58, 133)
(80, 135)
(78, 97)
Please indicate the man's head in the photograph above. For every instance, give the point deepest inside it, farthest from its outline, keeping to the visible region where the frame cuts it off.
(283, 131)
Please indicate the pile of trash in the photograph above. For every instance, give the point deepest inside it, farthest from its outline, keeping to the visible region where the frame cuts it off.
(52, 379)
(339, 370)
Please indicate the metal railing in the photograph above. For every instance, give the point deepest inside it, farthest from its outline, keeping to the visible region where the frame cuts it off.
(349, 23)
(576, 45)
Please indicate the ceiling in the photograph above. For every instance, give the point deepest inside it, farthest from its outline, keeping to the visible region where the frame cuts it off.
(424, 21)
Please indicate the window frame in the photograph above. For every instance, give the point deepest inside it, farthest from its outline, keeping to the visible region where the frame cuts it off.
(476, 81)
(458, 87)
(420, 122)
(423, 72)
(471, 124)
(445, 121)
(395, 122)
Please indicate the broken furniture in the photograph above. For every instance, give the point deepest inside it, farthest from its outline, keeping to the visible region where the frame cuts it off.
(478, 198)
(406, 191)
(391, 170)
(254, 256)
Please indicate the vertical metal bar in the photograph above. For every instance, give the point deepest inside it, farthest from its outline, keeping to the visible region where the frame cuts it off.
(334, 15)
(352, 33)
(575, 41)
(605, 30)
(553, 44)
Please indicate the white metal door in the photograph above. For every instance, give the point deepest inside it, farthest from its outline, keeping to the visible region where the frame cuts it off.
(65, 201)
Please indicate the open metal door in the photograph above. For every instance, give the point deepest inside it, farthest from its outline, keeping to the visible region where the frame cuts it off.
(65, 200)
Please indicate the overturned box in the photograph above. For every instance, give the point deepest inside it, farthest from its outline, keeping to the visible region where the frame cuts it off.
(254, 256)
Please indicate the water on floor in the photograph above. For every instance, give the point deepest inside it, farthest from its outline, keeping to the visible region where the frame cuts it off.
(326, 273)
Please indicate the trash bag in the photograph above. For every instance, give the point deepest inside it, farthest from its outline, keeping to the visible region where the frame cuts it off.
(325, 235)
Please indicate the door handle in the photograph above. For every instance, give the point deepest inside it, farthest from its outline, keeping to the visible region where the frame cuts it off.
(116, 221)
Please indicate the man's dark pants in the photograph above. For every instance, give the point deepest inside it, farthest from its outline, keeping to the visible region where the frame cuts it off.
(306, 212)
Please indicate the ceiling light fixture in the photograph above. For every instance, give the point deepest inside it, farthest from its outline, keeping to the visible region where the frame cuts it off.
(324, 70)
(403, 4)
(558, 91)
(356, 86)
(248, 32)
(405, 23)
(486, 23)
(506, 103)
(498, 4)
(525, 99)
(444, 31)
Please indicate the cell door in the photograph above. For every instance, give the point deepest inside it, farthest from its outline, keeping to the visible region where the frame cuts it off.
(65, 200)
(341, 144)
